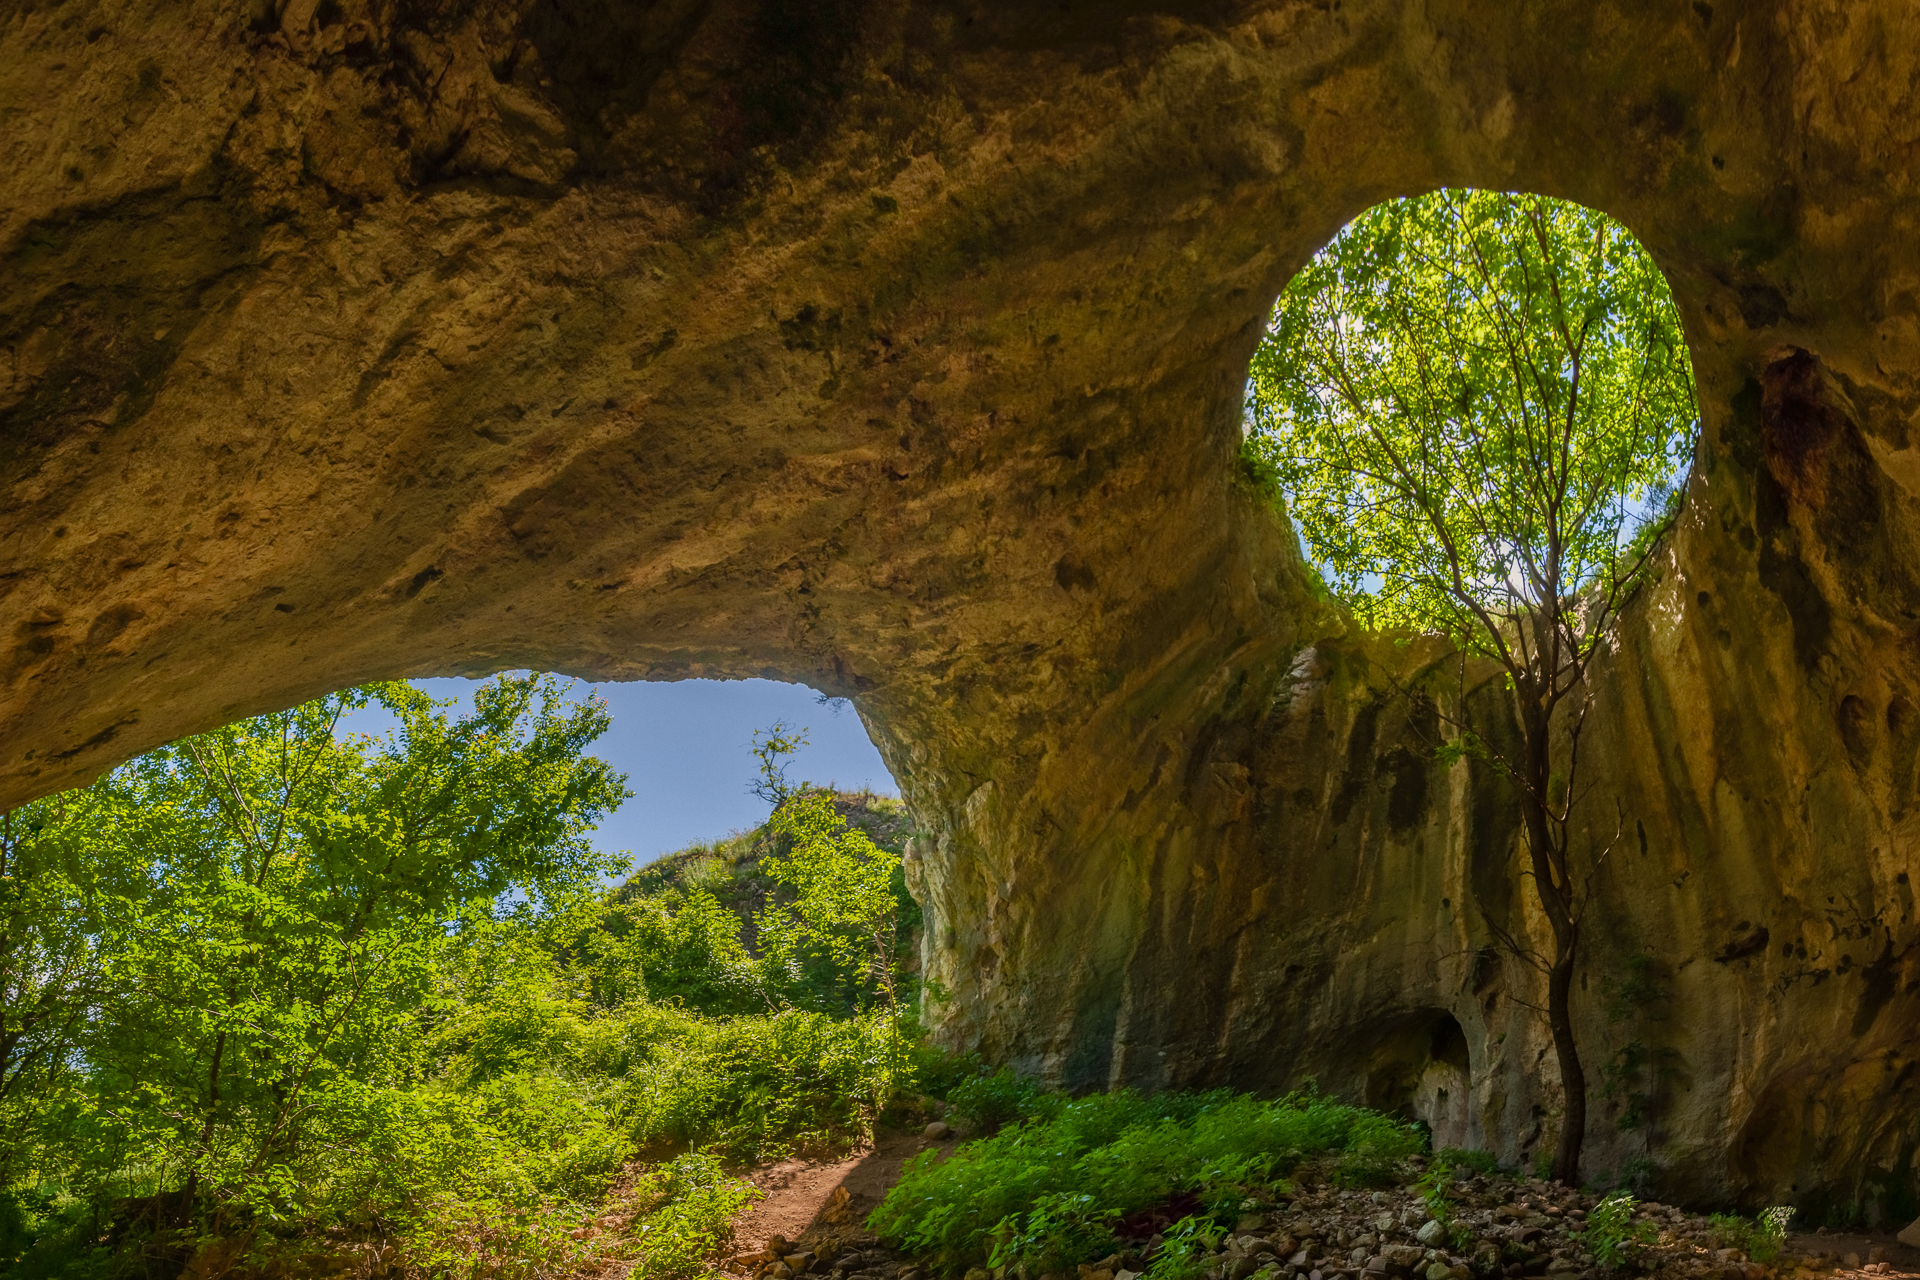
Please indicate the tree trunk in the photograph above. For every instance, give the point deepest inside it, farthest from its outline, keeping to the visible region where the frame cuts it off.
(1554, 887)
(1573, 1077)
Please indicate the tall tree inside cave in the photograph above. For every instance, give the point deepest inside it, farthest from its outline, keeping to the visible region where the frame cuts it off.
(1476, 405)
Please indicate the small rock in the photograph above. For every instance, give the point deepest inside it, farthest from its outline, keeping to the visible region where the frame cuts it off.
(1402, 1258)
(938, 1131)
(1431, 1234)
(1384, 1222)
(1876, 1254)
(779, 1271)
(1439, 1271)
(1299, 1258)
(1850, 1261)
(978, 1273)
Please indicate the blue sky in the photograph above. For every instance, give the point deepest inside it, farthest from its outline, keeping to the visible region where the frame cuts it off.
(686, 748)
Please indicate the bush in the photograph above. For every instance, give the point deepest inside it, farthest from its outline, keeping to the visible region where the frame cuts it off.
(1481, 1162)
(990, 1101)
(1046, 1191)
(691, 1216)
(1610, 1229)
(1760, 1239)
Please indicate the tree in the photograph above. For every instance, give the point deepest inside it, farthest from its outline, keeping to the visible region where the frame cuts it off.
(771, 747)
(298, 888)
(845, 905)
(1475, 403)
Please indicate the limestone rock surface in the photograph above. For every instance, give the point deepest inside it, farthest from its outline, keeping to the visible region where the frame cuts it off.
(898, 348)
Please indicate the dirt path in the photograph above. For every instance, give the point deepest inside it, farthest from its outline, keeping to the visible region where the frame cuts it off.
(801, 1194)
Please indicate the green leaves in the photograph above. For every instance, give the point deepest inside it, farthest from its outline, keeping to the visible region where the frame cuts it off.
(844, 903)
(1469, 398)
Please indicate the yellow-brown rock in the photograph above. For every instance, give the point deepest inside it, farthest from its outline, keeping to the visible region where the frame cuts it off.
(898, 348)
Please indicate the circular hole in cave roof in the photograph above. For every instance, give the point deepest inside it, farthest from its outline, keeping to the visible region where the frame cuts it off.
(686, 748)
(1424, 361)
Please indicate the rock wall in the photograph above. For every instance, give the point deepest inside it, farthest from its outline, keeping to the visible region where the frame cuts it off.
(898, 348)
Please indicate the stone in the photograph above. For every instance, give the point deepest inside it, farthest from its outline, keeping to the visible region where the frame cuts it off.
(1910, 1234)
(938, 1131)
(317, 374)
(1877, 1253)
(1385, 1222)
(1439, 1271)
(1851, 1261)
(1431, 1234)
(1402, 1258)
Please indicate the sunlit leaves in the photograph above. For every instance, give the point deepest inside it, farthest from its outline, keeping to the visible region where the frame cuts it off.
(1471, 400)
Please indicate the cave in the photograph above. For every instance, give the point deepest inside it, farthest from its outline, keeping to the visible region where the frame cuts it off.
(898, 349)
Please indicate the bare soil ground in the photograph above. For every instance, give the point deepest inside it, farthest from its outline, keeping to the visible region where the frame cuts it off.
(807, 1199)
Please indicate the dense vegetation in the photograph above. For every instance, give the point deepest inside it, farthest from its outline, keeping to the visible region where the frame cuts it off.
(1055, 1189)
(278, 991)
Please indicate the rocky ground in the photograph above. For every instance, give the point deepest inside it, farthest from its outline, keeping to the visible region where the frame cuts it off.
(1498, 1226)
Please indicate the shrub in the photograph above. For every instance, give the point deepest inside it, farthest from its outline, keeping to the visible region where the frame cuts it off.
(1481, 1162)
(990, 1101)
(1185, 1249)
(1610, 1229)
(1047, 1188)
(1760, 1239)
(691, 1216)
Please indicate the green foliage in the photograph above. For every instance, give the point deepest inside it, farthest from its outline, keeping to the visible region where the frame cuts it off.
(754, 1088)
(1760, 1238)
(990, 1100)
(771, 747)
(1375, 1146)
(1610, 1229)
(1470, 399)
(694, 1201)
(1060, 1229)
(1434, 1188)
(681, 946)
(843, 909)
(400, 1008)
(1043, 1191)
(1185, 1249)
(1484, 1163)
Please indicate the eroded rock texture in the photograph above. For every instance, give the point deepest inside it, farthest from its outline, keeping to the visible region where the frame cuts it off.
(897, 348)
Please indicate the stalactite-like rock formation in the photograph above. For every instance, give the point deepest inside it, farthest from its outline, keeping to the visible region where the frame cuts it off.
(897, 348)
